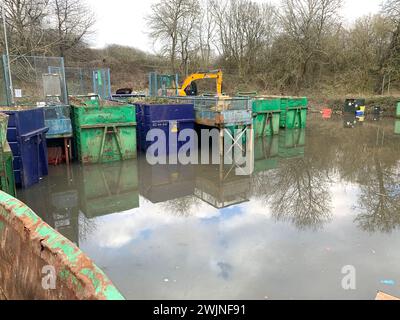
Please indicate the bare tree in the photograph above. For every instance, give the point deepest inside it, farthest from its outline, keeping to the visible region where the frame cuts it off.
(187, 35)
(206, 33)
(305, 24)
(244, 28)
(168, 24)
(74, 21)
(391, 8)
(26, 25)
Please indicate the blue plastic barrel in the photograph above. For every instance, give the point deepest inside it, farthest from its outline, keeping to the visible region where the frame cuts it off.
(360, 113)
(26, 135)
(172, 119)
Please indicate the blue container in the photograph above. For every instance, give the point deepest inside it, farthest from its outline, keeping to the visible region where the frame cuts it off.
(171, 119)
(58, 120)
(26, 135)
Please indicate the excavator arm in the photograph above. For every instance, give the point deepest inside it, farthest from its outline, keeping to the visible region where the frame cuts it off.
(217, 75)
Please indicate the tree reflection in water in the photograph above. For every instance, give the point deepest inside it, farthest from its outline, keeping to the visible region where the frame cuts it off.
(370, 158)
(182, 207)
(379, 201)
(299, 193)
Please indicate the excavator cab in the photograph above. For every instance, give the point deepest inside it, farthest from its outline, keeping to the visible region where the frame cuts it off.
(192, 90)
(189, 86)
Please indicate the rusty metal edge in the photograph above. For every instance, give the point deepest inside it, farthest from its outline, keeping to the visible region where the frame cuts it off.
(381, 296)
(89, 282)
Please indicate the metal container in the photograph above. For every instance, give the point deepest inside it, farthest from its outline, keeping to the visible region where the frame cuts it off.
(104, 131)
(58, 120)
(294, 112)
(220, 111)
(28, 245)
(172, 119)
(3, 130)
(7, 180)
(397, 127)
(26, 135)
(267, 114)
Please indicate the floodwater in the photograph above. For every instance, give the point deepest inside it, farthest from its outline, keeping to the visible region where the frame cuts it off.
(319, 200)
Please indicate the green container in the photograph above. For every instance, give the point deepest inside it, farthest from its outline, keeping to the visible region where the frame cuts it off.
(292, 144)
(297, 102)
(266, 152)
(294, 112)
(7, 179)
(104, 131)
(397, 127)
(266, 113)
(296, 118)
(3, 130)
(284, 108)
(398, 110)
(109, 188)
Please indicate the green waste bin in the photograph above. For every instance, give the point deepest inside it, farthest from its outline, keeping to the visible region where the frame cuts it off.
(266, 114)
(284, 108)
(296, 109)
(105, 131)
(397, 127)
(3, 130)
(7, 179)
(294, 112)
(398, 110)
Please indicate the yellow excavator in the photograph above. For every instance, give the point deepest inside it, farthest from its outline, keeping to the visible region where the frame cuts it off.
(189, 87)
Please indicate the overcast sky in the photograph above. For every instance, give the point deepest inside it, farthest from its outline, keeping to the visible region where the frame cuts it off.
(122, 21)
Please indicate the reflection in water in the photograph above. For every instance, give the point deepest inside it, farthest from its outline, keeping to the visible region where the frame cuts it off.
(182, 207)
(298, 191)
(266, 154)
(294, 174)
(221, 192)
(109, 188)
(378, 176)
(56, 199)
(300, 194)
(161, 183)
(327, 196)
